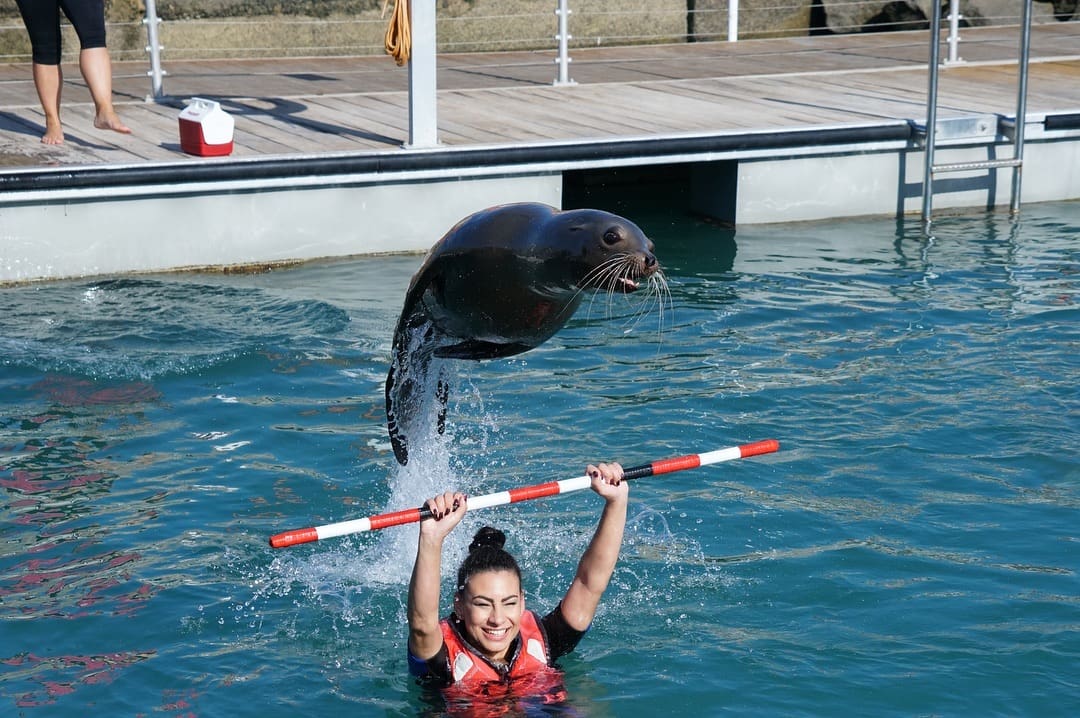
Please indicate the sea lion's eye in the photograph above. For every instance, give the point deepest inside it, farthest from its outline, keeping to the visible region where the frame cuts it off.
(611, 237)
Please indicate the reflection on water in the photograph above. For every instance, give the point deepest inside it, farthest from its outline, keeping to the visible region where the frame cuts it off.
(909, 550)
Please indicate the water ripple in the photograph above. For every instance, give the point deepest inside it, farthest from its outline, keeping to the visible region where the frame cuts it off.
(146, 328)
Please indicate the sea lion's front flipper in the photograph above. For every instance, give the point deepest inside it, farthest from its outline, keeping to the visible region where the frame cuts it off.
(477, 349)
(406, 383)
(397, 395)
(406, 400)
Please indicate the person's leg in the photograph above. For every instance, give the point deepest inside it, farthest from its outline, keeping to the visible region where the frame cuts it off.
(49, 80)
(97, 71)
(88, 19)
(42, 20)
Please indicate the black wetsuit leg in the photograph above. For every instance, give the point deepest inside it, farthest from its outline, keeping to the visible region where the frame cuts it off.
(42, 20)
(88, 19)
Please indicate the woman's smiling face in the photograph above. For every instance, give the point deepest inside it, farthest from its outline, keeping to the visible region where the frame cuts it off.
(490, 605)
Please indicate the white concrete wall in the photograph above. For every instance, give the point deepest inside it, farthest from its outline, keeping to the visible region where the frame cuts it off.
(890, 183)
(73, 233)
(71, 238)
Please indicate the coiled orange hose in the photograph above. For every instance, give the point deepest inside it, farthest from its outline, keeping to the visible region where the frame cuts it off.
(398, 40)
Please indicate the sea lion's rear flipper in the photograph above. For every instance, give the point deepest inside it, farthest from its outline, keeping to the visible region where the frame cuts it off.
(442, 393)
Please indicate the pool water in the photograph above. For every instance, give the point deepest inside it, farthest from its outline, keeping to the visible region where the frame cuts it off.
(912, 549)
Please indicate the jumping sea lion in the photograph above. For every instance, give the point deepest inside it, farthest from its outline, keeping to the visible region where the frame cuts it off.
(500, 282)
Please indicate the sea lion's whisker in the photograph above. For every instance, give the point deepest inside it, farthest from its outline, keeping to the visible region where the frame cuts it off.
(614, 276)
(653, 297)
(658, 283)
(657, 293)
(605, 277)
(619, 276)
(596, 273)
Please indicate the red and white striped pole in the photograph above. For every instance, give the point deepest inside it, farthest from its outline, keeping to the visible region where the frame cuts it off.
(524, 493)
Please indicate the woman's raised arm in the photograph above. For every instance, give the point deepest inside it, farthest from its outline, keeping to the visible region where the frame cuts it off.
(598, 562)
(425, 636)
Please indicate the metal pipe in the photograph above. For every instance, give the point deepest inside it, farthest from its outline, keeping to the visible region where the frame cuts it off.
(563, 39)
(1021, 105)
(733, 21)
(152, 21)
(931, 119)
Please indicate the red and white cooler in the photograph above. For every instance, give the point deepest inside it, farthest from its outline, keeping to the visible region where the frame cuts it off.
(206, 129)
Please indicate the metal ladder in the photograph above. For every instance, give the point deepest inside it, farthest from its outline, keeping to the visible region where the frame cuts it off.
(1015, 128)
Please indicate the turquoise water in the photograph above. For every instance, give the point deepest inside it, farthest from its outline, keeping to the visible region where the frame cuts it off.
(911, 550)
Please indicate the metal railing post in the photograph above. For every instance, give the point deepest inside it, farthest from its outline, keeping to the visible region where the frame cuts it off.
(954, 34)
(563, 38)
(931, 119)
(152, 21)
(1021, 105)
(423, 124)
(733, 20)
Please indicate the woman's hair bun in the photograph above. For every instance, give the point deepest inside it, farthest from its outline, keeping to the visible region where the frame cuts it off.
(486, 553)
(487, 536)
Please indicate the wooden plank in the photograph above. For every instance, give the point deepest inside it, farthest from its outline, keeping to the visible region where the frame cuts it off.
(609, 108)
(486, 117)
(394, 108)
(373, 126)
(289, 126)
(508, 116)
(505, 116)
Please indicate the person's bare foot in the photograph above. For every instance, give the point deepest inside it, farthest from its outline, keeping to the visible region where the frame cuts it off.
(54, 133)
(109, 120)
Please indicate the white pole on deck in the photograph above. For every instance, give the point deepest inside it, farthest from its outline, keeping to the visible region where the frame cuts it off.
(563, 39)
(152, 21)
(733, 20)
(423, 126)
(954, 35)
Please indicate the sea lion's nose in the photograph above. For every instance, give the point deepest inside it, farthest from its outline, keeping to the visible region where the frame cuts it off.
(650, 261)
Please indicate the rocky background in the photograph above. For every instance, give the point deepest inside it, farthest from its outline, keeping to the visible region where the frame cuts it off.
(278, 28)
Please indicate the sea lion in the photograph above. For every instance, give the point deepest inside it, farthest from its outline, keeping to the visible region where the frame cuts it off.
(500, 282)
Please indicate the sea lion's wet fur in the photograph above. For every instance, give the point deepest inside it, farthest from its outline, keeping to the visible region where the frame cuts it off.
(501, 282)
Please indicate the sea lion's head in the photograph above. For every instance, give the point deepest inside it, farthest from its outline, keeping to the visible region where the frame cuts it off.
(615, 253)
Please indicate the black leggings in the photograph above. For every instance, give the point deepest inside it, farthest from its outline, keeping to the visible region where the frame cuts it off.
(42, 19)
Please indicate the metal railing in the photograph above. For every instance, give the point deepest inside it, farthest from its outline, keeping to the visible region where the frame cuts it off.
(422, 73)
(1016, 131)
(590, 23)
(577, 24)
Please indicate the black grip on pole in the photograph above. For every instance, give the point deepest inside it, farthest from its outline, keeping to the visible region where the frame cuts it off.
(637, 472)
(425, 512)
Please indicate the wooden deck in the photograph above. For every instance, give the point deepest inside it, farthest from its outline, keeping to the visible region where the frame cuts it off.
(360, 105)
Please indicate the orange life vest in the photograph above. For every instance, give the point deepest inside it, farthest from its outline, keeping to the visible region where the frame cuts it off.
(468, 666)
(486, 690)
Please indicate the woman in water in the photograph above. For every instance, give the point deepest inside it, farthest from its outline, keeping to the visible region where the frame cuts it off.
(490, 639)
